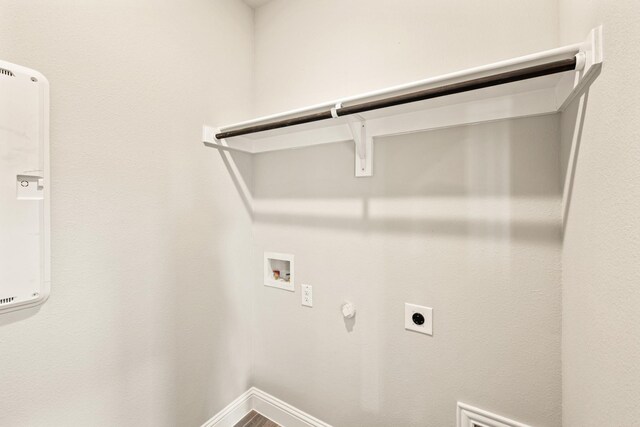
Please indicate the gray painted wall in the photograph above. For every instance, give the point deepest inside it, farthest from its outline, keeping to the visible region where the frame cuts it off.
(601, 247)
(465, 220)
(147, 321)
(150, 239)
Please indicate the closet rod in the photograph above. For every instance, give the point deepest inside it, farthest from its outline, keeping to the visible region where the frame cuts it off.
(549, 68)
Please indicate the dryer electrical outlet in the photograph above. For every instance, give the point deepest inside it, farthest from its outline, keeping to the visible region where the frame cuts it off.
(418, 318)
(24, 188)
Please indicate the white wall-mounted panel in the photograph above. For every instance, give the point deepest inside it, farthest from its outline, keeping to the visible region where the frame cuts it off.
(24, 187)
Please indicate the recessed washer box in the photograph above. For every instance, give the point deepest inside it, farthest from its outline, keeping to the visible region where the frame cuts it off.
(279, 270)
(24, 188)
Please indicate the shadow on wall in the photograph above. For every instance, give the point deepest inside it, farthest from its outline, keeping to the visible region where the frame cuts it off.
(202, 345)
(573, 119)
(572, 124)
(349, 323)
(241, 181)
(465, 220)
(493, 180)
(19, 315)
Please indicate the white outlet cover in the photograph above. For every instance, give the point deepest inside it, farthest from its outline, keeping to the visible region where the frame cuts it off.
(307, 295)
(427, 313)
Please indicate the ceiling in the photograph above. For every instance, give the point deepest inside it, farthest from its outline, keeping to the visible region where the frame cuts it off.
(256, 3)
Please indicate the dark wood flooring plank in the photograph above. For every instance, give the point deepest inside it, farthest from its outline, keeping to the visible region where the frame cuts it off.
(260, 421)
(247, 419)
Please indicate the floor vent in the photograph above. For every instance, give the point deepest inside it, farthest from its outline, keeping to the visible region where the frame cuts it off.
(468, 416)
(5, 72)
(6, 300)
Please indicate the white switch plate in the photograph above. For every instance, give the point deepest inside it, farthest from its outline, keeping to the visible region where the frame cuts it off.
(427, 314)
(307, 295)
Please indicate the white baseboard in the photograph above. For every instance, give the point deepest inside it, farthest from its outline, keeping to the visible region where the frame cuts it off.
(469, 416)
(269, 406)
(233, 412)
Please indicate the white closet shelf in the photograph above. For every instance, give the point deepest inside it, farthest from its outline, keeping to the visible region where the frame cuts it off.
(536, 84)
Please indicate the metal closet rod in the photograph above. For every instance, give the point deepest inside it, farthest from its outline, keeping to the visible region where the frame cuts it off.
(549, 68)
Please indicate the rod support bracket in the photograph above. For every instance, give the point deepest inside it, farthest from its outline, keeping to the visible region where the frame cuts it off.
(334, 110)
(581, 60)
(209, 135)
(363, 146)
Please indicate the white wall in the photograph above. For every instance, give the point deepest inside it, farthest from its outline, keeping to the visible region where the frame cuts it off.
(147, 321)
(150, 240)
(601, 272)
(466, 220)
(310, 51)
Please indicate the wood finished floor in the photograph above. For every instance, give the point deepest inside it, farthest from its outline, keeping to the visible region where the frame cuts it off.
(254, 419)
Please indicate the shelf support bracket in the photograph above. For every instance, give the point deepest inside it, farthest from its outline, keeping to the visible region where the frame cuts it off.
(209, 135)
(363, 146)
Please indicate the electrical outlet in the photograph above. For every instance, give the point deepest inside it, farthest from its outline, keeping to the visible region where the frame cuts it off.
(418, 318)
(307, 295)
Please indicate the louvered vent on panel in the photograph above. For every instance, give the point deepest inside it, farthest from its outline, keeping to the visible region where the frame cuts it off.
(6, 300)
(5, 72)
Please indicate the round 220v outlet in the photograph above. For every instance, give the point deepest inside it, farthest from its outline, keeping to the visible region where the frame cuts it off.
(418, 318)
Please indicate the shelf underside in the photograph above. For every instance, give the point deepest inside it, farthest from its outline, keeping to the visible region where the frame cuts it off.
(528, 98)
(542, 95)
